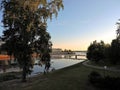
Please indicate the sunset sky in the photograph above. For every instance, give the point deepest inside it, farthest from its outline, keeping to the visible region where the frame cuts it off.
(83, 21)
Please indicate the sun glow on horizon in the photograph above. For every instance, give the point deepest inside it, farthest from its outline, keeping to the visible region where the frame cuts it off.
(82, 44)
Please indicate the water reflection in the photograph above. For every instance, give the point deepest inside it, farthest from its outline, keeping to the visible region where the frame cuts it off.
(37, 68)
(55, 64)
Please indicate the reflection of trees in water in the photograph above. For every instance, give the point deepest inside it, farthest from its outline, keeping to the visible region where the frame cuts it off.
(46, 59)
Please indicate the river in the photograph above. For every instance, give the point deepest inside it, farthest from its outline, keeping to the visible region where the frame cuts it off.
(56, 64)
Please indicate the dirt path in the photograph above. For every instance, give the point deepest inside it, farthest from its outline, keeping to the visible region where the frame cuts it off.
(102, 68)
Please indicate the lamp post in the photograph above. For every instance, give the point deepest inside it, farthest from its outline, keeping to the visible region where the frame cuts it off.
(105, 67)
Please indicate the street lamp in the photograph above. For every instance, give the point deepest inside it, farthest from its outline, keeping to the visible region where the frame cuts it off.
(105, 67)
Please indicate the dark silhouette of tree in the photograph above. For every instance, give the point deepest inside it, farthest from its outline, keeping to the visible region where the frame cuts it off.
(115, 52)
(25, 29)
(118, 30)
(96, 51)
(100, 51)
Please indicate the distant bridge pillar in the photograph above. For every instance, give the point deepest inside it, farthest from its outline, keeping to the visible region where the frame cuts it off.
(75, 56)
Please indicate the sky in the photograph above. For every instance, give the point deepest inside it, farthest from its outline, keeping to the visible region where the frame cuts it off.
(83, 21)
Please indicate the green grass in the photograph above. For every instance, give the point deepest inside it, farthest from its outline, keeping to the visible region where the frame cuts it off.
(70, 78)
(9, 76)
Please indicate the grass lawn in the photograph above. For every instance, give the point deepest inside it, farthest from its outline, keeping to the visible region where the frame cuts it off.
(71, 78)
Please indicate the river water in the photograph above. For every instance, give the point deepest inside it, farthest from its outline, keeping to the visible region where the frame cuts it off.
(55, 64)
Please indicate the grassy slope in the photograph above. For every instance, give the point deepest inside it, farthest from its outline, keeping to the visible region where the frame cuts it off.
(70, 78)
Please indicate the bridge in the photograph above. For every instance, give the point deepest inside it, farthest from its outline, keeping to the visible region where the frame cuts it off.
(72, 55)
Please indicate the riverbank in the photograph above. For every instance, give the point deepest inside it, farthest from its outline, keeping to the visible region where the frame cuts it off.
(71, 78)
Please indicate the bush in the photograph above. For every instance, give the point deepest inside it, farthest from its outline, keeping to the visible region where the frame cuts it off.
(110, 83)
(95, 78)
(104, 83)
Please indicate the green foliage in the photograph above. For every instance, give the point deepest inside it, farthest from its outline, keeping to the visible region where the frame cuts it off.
(68, 51)
(94, 78)
(96, 51)
(108, 53)
(114, 54)
(104, 52)
(45, 57)
(25, 24)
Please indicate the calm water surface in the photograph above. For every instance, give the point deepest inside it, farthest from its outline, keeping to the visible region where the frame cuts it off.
(56, 64)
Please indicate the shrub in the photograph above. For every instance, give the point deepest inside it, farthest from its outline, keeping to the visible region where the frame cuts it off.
(110, 83)
(104, 83)
(95, 78)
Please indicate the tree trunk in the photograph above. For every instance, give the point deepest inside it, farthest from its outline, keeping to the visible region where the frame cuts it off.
(24, 73)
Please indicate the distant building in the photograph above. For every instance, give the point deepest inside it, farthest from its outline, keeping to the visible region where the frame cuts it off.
(56, 53)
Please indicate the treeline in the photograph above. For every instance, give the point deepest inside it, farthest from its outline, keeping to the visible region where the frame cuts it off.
(107, 53)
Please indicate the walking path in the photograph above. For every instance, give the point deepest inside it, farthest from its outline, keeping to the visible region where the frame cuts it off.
(102, 68)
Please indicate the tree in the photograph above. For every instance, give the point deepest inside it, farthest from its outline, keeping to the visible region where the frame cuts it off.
(118, 30)
(115, 51)
(96, 51)
(25, 23)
